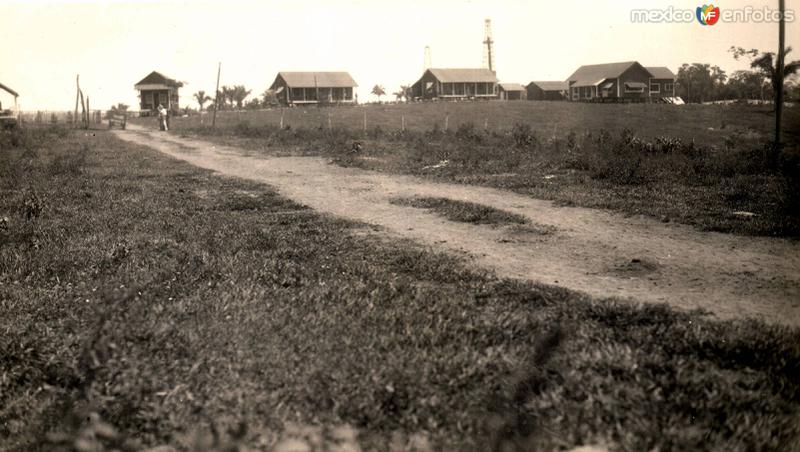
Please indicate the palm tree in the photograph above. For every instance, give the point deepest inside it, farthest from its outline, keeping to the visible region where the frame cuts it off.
(201, 97)
(238, 94)
(379, 91)
(769, 66)
(403, 93)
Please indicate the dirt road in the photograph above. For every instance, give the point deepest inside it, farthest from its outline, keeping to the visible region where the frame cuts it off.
(594, 251)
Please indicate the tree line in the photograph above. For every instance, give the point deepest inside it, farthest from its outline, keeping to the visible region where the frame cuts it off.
(700, 82)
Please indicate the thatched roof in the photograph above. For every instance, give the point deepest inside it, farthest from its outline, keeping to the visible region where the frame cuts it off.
(661, 72)
(316, 80)
(512, 87)
(481, 75)
(593, 74)
(157, 78)
(551, 86)
(9, 90)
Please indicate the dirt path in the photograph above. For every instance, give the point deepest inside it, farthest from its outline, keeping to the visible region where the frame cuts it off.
(594, 251)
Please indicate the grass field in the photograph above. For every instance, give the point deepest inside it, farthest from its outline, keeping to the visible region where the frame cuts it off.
(696, 164)
(705, 124)
(146, 302)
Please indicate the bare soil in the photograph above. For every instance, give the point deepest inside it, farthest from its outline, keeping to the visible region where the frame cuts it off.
(597, 252)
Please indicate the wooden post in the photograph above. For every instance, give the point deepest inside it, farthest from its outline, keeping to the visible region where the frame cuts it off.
(365, 121)
(77, 96)
(88, 113)
(780, 69)
(281, 118)
(446, 121)
(403, 123)
(485, 123)
(216, 97)
(83, 109)
(329, 119)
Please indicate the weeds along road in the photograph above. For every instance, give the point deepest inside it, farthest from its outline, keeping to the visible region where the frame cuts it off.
(597, 252)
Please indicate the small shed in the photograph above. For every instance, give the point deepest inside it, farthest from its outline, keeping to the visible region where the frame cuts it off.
(511, 91)
(451, 84)
(302, 88)
(547, 90)
(157, 89)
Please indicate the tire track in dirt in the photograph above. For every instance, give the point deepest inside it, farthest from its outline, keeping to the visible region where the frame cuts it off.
(598, 252)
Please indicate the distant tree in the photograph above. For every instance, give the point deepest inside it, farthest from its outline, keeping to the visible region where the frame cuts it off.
(253, 104)
(695, 82)
(269, 98)
(746, 85)
(404, 93)
(766, 64)
(201, 97)
(238, 94)
(379, 91)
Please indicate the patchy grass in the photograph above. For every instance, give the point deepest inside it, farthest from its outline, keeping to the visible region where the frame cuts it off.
(147, 302)
(698, 165)
(462, 211)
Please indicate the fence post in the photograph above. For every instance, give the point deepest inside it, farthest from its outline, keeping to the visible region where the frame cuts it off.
(329, 119)
(365, 121)
(402, 123)
(281, 118)
(446, 122)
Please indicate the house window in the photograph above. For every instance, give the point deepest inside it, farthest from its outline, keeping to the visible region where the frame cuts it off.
(634, 87)
(668, 87)
(655, 87)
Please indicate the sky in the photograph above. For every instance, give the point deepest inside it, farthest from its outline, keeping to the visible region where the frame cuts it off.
(113, 44)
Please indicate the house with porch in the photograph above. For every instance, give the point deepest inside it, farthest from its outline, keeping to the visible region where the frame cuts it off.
(611, 82)
(303, 88)
(157, 89)
(511, 91)
(454, 84)
(547, 90)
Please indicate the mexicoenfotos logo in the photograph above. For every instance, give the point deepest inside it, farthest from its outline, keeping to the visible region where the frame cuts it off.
(710, 15)
(707, 14)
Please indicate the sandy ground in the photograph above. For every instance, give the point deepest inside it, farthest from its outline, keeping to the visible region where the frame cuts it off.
(598, 252)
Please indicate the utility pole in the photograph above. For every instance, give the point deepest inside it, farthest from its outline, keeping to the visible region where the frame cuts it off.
(216, 97)
(779, 78)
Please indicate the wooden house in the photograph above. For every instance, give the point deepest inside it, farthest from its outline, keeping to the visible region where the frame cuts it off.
(451, 84)
(616, 82)
(547, 90)
(662, 83)
(511, 91)
(157, 89)
(301, 88)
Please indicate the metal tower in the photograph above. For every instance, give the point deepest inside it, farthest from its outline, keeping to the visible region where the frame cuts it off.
(488, 47)
(427, 58)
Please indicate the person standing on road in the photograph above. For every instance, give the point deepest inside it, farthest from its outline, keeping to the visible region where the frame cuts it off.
(162, 117)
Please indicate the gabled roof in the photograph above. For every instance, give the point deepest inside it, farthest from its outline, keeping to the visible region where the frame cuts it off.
(481, 75)
(9, 90)
(317, 79)
(512, 87)
(661, 72)
(551, 86)
(592, 74)
(156, 78)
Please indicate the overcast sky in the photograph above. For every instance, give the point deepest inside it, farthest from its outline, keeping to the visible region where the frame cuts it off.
(113, 44)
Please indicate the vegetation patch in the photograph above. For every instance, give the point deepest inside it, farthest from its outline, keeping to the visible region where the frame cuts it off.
(463, 211)
(690, 164)
(135, 313)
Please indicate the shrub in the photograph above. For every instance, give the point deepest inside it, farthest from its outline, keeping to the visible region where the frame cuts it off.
(524, 136)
